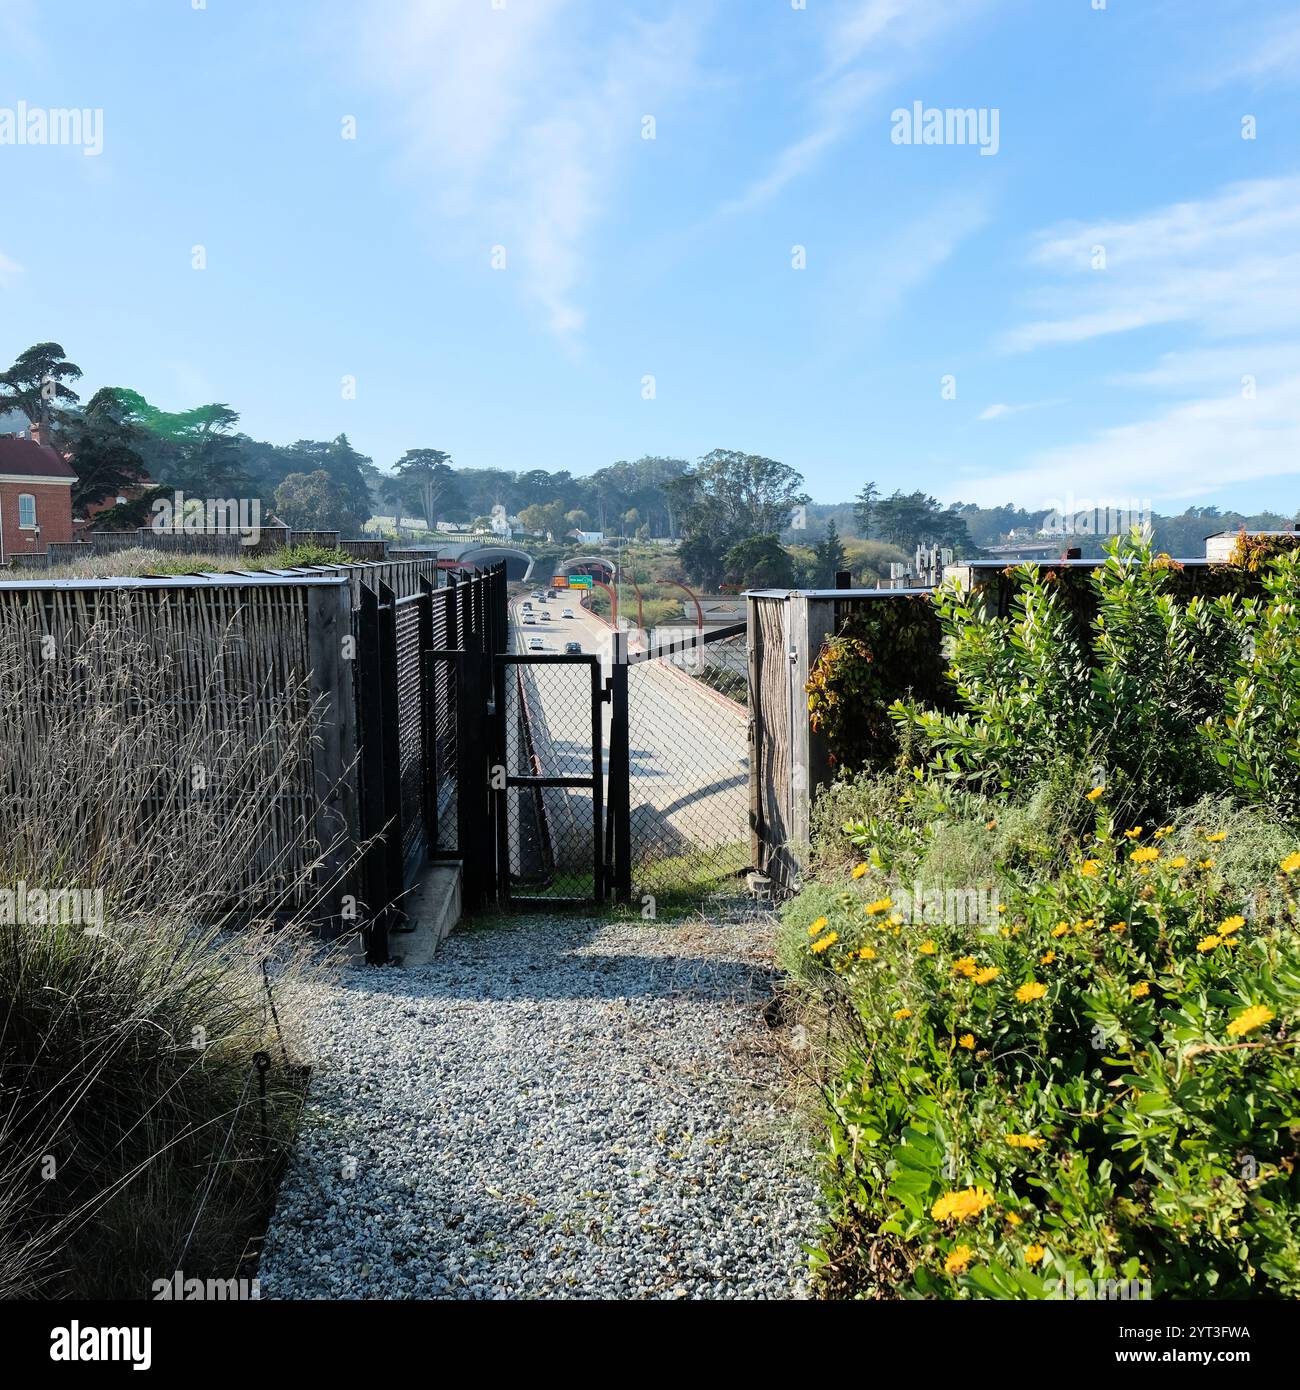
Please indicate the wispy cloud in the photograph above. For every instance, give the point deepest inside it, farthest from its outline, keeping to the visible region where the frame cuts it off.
(999, 410)
(869, 45)
(1227, 264)
(517, 121)
(1188, 450)
(9, 269)
(1273, 55)
(863, 296)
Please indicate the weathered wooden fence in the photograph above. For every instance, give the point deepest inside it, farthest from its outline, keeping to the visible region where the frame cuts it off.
(788, 758)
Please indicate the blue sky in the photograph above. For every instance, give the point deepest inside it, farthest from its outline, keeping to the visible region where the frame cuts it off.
(519, 124)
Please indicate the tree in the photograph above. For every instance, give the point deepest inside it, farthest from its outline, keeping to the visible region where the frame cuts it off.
(829, 558)
(346, 469)
(543, 517)
(106, 450)
(313, 502)
(578, 520)
(428, 484)
(911, 519)
(760, 562)
(864, 504)
(20, 386)
(728, 498)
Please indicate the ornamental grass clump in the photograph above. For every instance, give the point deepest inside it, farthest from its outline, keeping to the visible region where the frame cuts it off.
(148, 924)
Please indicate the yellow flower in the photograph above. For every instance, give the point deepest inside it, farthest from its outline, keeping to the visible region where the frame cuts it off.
(1134, 833)
(967, 1040)
(1163, 831)
(1140, 990)
(860, 869)
(1047, 958)
(1119, 928)
(866, 953)
(964, 966)
(957, 1262)
(1034, 1253)
(895, 920)
(1291, 863)
(1180, 862)
(1025, 1141)
(1249, 1020)
(1002, 907)
(824, 943)
(1208, 943)
(1205, 863)
(987, 975)
(1030, 991)
(1012, 1219)
(926, 948)
(1145, 856)
(1231, 924)
(880, 905)
(1060, 929)
(1218, 837)
(961, 1206)
(901, 1014)
(1089, 868)
(817, 926)
(1095, 793)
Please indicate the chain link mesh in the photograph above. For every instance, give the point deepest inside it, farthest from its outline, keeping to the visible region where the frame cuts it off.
(550, 834)
(689, 769)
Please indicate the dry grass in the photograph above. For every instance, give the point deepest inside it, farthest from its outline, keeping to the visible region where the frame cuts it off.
(133, 1140)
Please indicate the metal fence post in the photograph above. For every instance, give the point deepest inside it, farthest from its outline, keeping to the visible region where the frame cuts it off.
(619, 811)
(392, 746)
(371, 710)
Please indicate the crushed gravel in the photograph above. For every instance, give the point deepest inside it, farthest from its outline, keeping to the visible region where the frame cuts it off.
(552, 1108)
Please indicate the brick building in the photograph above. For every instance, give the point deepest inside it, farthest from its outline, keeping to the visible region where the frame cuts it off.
(35, 495)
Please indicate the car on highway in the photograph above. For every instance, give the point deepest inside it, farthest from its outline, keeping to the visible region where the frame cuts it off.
(526, 606)
(568, 612)
(529, 620)
(534, 644)
(573, 648)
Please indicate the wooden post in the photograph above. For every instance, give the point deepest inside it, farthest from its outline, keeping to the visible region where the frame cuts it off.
(754, 676)
(329, 624)
(811, 622)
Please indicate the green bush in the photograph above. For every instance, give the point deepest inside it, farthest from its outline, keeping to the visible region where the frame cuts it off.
(886, 649)
(1097, 1082)
(1122, 705)
(1255, 738)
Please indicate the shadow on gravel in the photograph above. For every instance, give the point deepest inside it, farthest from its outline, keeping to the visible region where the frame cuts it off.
(517, 962)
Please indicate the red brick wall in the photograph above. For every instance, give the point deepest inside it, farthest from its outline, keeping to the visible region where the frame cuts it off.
(53, 515)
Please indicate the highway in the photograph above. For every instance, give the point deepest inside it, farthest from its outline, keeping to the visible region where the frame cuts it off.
(689, 769)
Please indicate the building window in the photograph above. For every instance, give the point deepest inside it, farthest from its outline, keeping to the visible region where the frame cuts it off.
(27, 511)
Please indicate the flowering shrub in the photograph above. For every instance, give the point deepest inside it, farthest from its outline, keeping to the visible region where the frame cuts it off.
(1099, 1085)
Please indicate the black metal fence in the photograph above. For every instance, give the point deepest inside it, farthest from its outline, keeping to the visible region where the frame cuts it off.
(421, 717)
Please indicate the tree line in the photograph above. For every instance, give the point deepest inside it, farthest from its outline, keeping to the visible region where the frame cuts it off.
(739, 519)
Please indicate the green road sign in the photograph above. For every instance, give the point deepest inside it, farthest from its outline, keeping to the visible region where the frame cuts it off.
(580, 581)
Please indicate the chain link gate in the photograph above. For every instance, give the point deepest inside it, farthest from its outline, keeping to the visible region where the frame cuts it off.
(519, 789)
(679, 764)
(547, 779)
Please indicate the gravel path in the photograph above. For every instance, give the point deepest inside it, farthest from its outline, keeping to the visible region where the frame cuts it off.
(551, 1108)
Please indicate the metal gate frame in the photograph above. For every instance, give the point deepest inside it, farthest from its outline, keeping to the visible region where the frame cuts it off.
(503, 781)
